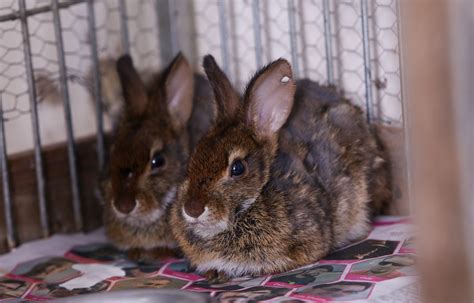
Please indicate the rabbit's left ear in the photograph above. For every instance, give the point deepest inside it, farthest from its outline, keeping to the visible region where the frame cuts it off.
(134, 91)
(269, 98)
(227, 100)
(179, 86)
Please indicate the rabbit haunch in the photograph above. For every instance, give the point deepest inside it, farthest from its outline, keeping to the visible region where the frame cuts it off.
(160, 124)
(309, 174)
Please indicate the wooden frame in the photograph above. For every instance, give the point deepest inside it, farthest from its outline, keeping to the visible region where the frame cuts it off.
(434, 147)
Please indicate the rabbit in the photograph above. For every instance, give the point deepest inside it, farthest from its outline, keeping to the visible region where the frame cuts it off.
(282, 178)
(350, 119)
(159, 125)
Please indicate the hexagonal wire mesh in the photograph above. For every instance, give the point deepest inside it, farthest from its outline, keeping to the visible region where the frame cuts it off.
(29, 125)
(141, 23)
(309, 54)
(353, 44)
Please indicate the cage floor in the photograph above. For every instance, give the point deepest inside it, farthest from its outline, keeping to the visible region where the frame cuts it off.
(379, 268)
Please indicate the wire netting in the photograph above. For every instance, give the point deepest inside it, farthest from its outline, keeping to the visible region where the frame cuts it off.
(346, 39)
(293, 29)
(141, 26)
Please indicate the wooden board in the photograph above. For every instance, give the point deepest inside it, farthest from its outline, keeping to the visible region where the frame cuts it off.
(58, 192)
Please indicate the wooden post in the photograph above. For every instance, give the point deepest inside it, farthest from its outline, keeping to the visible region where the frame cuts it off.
(434, 152)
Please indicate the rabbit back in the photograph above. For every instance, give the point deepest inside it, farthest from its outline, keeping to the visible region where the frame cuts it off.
(340, 151)
(278, 182)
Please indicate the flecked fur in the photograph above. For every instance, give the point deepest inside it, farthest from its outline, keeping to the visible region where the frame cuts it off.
(144, 129)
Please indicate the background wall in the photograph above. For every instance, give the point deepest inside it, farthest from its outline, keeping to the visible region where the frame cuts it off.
(198, 31)
(13, 86)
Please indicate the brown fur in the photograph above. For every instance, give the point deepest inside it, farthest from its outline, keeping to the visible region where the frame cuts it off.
(311, 182)
(151, 123)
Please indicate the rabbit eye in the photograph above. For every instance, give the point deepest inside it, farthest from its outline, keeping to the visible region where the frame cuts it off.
(157, 161)
(237, 168)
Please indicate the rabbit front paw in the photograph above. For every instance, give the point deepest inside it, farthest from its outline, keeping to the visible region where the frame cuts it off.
(214, 276)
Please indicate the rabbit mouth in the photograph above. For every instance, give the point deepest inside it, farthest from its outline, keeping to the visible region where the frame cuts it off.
(202, 219)
(205, 225)
(137, 217)
(143, 216)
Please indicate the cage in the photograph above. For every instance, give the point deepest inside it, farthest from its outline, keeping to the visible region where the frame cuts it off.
(57, 109)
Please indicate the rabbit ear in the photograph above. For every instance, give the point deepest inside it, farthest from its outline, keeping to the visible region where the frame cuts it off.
(179, 86)
(134, 91)
(269, 98)
(227, 100)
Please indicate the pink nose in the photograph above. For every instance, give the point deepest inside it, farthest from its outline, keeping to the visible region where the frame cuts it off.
(194, 209)
(125, 205)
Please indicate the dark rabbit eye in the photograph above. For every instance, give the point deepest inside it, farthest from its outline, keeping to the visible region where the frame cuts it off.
(237, 168)
(157, 161)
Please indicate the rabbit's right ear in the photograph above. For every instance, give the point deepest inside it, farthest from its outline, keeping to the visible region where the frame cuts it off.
(227, 100)
(269, 98)
(179, 88)
(134, 91)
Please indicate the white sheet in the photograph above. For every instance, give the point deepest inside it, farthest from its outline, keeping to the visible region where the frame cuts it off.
(56, 245)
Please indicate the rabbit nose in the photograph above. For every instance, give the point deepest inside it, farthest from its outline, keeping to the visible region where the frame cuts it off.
(194, 209)
(125, 205)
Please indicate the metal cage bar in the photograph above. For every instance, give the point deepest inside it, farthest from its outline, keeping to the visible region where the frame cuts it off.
(224, 37)
(168, 34)
(174, 33)
(367, 70)
(7, 198)
(124, 27)
(76, 202)
(293, 42)
(38, 10)
(97, 85)
(40, 180)
(327, 41)
(256, 32)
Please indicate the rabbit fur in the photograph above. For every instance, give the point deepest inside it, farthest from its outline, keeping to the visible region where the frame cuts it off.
(314, 172)
(160, 124)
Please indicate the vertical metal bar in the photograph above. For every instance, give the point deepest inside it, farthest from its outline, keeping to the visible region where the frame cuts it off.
(303, 54)
(257, 32)
(97, 85)
(124, 27)
(267, 30)
(293, 42)
(224, 37)
(234, 43)
(167, 30)
(7, 199)
(76, 202)
(173, 29)
(40, 182)
(328, 41)
(367, 71)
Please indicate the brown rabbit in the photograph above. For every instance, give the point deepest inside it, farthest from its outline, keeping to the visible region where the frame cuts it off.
(262, 196)
(149, 155)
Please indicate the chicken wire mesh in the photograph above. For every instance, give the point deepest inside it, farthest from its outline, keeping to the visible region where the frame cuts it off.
(49, 53)
(227, 29)
(306, 40)
(48, 87)
(140, 22)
